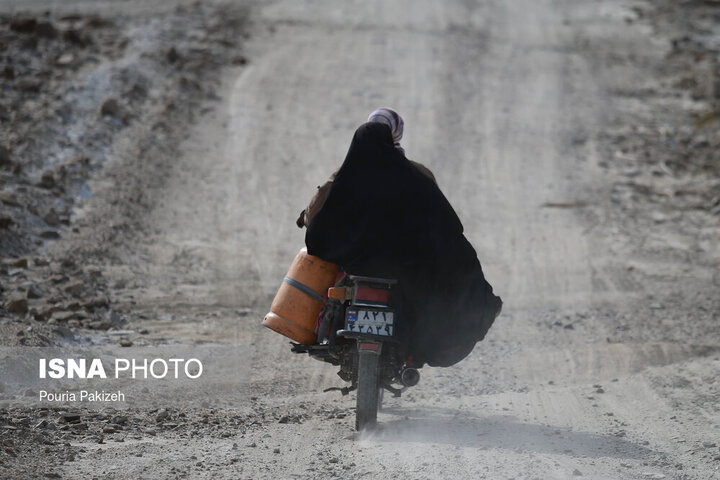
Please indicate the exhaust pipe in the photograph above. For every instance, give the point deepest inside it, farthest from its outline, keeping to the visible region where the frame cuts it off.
(409, 376)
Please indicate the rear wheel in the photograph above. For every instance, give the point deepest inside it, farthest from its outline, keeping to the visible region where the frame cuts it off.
(367, 390)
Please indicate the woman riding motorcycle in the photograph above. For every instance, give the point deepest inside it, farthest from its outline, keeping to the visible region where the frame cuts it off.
(382, 215)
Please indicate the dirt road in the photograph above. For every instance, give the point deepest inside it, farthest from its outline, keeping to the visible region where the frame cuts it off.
(588, 373)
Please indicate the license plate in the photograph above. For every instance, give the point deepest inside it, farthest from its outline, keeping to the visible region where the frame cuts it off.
(375, 322)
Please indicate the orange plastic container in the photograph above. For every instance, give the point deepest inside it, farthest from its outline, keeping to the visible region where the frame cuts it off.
(296, 306)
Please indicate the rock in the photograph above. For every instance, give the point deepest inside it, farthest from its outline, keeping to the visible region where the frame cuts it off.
(24, 421)
(709, 444)
(47, 180)
(658, 217)
(51, 218)
(70, 418)
(65, 59)
(114, 318)
(96, 21)
(277, 450)
(162, 415)
(28, 85)
(126, 343)
(33, 291)
(110, 107)
(17, 304)
(50, 235)
(577, 473)
(99, 325)
(119, 420)
(5, 159)
(172, 55)
(239, 60)
(19, 263)
(75, 288)
(10, 199)
(68, 264)
(75, 36)
(23, 25)
(46, 29)
(8, 72)
(5, 222)
(63, 315)
(98, 302)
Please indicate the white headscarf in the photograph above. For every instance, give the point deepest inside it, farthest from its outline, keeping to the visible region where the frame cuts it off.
(391, 118)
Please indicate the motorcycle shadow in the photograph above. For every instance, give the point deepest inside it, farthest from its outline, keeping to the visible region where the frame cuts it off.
(437, 425)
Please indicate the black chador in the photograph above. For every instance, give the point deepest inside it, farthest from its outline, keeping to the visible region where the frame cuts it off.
(384, 218)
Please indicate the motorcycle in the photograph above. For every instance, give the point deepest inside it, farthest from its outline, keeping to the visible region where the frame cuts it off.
(358, 331)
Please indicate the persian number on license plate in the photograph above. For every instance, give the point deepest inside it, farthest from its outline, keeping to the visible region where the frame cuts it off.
(375, 322)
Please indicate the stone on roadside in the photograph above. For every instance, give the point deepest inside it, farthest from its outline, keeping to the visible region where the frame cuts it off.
(63, 315)
(47, 180)
(28, 84)
(19, 263)
(41, 262)
(97, 302)
(65, 59)
(75, 288)
(75, 36)
(70, 418)
(5, 222)
(17, 304)
(50, 235)
(46, 29)
(33, 291)
(172, 55)
(110, 107)
(23, 25)
(126, 343)
(5, 159)
(119, 420)
(99, 325)
(52, 218)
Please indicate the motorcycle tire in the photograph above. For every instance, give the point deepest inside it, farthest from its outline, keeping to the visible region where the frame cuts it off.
(367, 391)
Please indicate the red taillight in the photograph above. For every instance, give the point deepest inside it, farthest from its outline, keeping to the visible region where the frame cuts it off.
(369, 294)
